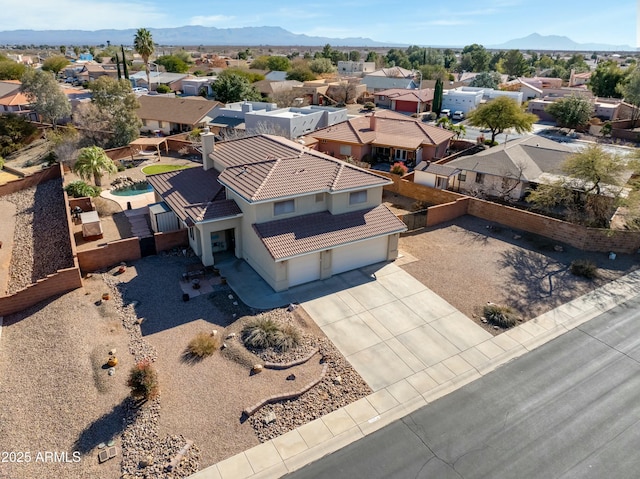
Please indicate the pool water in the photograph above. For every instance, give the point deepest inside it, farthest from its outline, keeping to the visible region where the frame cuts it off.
(139, 189)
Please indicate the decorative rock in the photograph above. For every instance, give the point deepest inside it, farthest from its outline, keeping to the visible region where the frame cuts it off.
(269, 417)
(214, 333)
(291, 377)
(484, 320)
(230, 296)
(231, 336)
(291, 307)
(224, 346)
(257, 368)
(235, 303)
(517, 237)
(558, 248)
(146, 462)
(337, 380)
(496, 327)
(112, 352)
(111, 371)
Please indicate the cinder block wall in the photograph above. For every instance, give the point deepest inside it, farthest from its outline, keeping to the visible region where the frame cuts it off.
(109, 255)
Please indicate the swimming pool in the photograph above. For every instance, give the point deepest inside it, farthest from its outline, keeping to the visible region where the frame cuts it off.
(136, 189)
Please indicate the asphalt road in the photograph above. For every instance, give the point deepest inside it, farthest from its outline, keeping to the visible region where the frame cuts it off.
(569, 409)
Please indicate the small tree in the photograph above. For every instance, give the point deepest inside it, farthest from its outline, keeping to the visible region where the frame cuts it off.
(55, 64)
(231, 87)
(500, 114)
(486, 80)
(93, 161)
(571, 112)
(48, 99)
(631, 92)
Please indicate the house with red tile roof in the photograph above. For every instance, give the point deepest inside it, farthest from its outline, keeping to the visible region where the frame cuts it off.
(384, 136)
(408, 101)
(12, 100)
(293, 214)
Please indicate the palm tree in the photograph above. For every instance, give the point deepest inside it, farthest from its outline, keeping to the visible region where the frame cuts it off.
(143, 44)
(93, 161)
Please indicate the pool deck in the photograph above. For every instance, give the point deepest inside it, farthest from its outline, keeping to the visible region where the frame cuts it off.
(136, 201)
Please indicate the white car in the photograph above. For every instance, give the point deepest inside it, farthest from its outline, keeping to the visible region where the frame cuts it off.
(458, 115)
(446, 112)
(140, 89)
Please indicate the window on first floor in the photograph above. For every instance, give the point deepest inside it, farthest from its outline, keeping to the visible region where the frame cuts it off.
(284, 207)
(463, 176)
(358, 197)
(480, 178)
(345, 150)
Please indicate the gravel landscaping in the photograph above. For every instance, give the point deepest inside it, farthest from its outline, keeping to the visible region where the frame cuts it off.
(41, 237)
(469, 262)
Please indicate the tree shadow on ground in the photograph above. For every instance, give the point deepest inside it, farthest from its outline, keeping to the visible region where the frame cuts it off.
(105, 428)
(535, 280)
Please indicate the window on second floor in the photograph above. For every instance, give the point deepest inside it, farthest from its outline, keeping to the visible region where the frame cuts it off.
(284, 207)
(358, 197)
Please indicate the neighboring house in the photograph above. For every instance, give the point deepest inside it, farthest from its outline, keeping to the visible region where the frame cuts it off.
(468, 98)
(93, 71)
(387, 78)
(384, 136)
(268, 88)
(11, 99)
(352, 68)
(406, 101)
(578, 79)
(294, 214)
(508, 170)
(172, 80)
(328, 92)
(260, 117)
(443, 177)
(174, 115)
(194, 86)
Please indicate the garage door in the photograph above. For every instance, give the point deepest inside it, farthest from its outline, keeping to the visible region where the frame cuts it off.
(346, 258)
(304, 269)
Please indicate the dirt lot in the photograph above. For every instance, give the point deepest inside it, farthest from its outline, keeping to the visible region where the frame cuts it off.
(470, 261)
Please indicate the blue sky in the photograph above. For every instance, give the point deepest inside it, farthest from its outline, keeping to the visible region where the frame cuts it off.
(426, 22)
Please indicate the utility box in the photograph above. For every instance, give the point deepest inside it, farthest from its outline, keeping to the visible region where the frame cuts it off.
(163, 219)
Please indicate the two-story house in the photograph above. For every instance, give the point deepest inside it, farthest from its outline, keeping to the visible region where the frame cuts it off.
(293, 214)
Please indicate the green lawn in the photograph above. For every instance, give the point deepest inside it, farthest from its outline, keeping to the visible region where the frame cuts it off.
(155, 169)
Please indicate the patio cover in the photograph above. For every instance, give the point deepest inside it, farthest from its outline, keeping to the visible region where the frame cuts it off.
(144, 142)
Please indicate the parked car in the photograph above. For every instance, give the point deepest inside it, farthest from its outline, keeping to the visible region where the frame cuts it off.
(140, 89)
(458, 115)
(446, 112)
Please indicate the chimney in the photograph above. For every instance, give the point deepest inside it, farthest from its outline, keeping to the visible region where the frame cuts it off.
(246, 107)
(372, 122)
(208, 147)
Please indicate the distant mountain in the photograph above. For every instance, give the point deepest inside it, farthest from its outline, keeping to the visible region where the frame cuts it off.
(535, 41)
(187, 35)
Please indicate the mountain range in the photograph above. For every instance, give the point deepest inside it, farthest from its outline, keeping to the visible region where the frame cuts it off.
(535, 41)
(253, 36)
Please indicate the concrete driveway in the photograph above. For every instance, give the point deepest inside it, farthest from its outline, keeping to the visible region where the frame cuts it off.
(390, 326)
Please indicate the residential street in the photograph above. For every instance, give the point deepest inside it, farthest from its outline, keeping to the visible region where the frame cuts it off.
(569, 409)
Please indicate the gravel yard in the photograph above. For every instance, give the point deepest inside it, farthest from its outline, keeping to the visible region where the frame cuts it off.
(41, 243)
(469, 261)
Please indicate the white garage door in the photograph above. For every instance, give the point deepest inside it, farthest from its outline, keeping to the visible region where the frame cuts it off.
(304, 269)
(346, 258)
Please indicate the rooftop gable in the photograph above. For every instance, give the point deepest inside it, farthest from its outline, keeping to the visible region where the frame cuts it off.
(187, 111)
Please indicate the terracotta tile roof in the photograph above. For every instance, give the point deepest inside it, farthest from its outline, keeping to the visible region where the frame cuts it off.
(186, 111)
(15, 99)
(193, 194)
(320, 231)
(300, 173)
(391, 129)
(402, 94)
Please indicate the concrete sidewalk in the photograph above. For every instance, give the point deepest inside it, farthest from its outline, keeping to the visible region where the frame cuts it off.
(411, 347)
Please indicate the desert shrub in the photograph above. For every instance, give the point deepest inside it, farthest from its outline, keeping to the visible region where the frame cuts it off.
(498, 315)
(163, 89)
(286, 338)
(143, 381)
(262, 333)
(399, 168)
(203, 345)
(585, 268)
(80, 189)
(369, 106)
